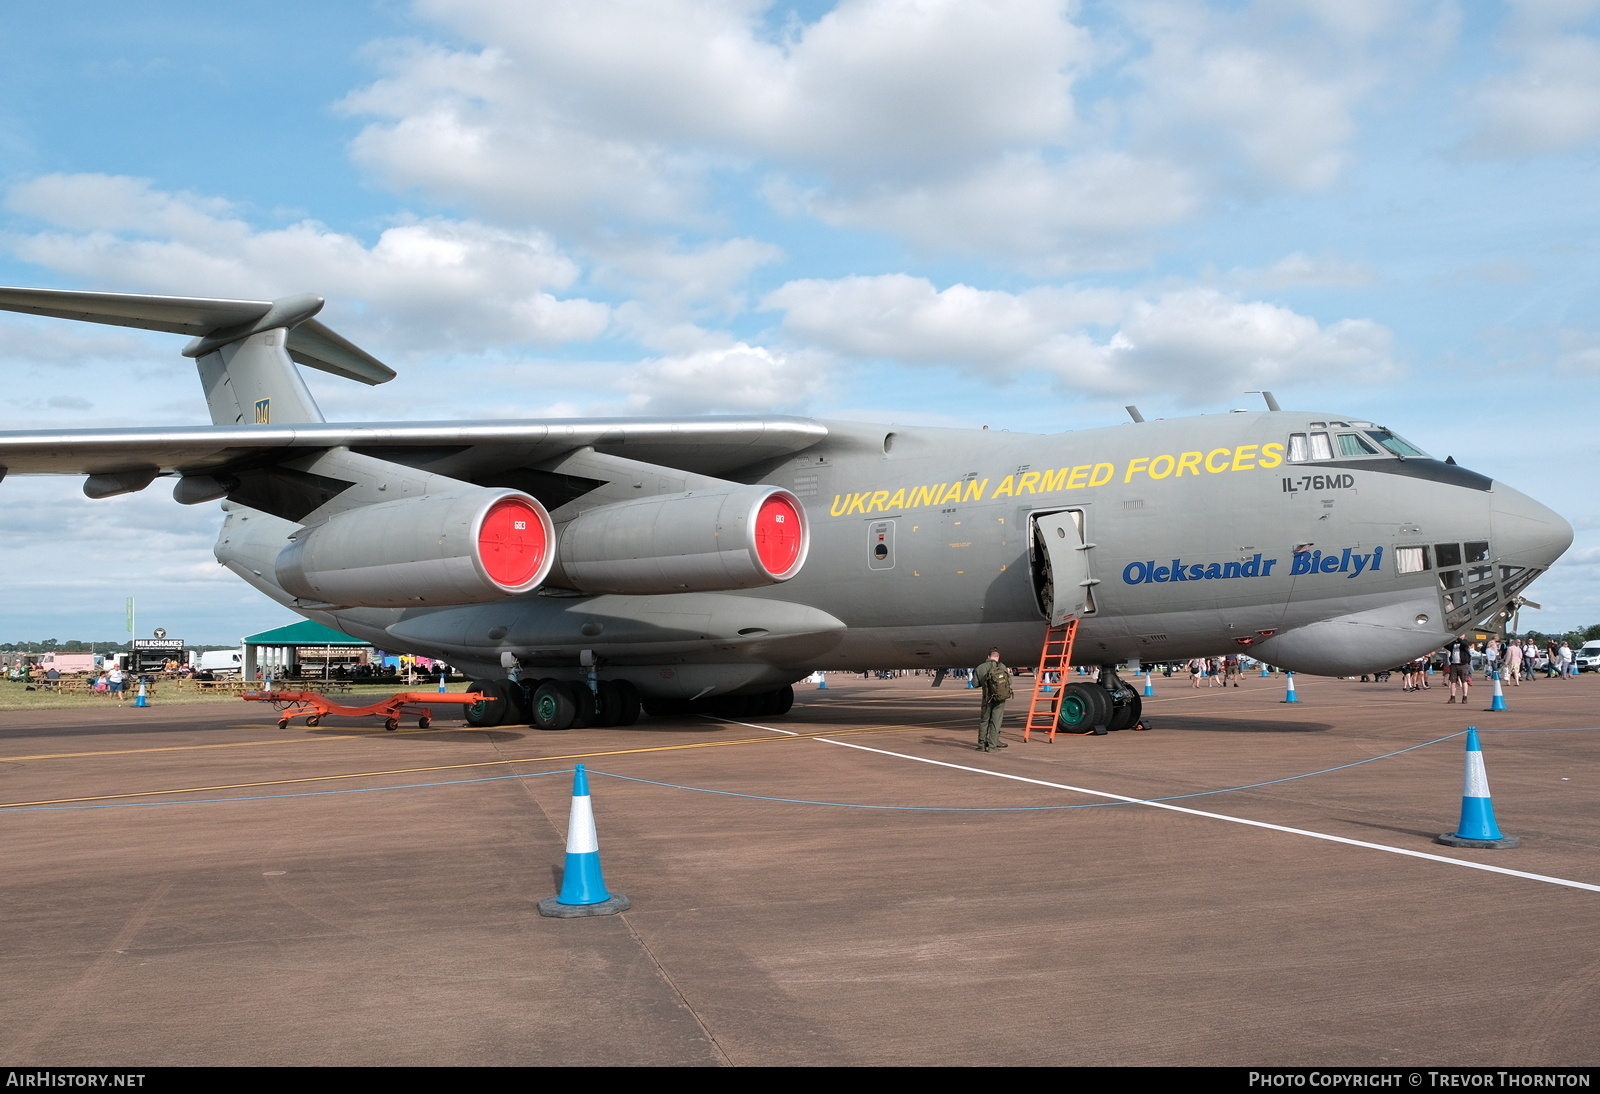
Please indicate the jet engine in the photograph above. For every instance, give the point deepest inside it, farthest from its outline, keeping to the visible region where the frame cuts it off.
(469, 547)
(741, 537)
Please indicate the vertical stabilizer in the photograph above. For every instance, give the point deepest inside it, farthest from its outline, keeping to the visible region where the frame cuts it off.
(253, 381)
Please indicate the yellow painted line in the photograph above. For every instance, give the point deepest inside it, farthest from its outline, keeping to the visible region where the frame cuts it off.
(858, 731)
(171, 748)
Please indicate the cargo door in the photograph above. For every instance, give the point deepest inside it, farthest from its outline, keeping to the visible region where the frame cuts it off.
(1060, 559)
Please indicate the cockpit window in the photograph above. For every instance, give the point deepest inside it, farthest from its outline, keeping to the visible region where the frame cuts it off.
(1397, 444)
(1351, 444)
(1297, 447)
(1321, 447)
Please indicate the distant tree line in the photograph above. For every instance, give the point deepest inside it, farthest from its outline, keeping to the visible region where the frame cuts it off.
(1572, 638)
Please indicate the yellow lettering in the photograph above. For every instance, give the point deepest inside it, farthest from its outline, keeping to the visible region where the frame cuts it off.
(975, 489)
(1080, 477)
(1138, 463)
(1271, 455)
(1050, 481)
(1226, 452)
(837, 508)
(952, 494)
(1100, 480)
(1155, 463)
(878, 498)
(1244, 457)
(898, 501)
(1029, 482)
(858, 504)
(1189, 460)
(1005, 489)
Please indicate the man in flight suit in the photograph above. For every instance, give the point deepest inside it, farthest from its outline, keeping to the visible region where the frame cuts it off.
(995, 681)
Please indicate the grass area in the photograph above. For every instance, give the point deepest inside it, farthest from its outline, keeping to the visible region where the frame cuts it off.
(15, 696)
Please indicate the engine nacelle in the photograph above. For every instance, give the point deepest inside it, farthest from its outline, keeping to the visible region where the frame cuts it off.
(467, 547)
(742, 537)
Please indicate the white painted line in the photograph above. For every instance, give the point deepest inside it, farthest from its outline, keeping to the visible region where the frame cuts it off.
(1485, 867)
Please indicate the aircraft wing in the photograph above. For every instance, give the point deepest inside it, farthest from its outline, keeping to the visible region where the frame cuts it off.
(708, 446)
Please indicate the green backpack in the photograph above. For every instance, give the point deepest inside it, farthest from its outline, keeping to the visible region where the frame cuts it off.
(997, 685)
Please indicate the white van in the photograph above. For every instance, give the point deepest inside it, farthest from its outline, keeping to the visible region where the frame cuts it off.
(1587, 658)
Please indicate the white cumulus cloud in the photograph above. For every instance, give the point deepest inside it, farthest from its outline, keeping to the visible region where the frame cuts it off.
(1193, 342)
(435, 281)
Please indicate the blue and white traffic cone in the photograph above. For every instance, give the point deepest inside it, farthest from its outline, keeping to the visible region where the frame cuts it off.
(1148, 690)
(822, 681)
(141, 701)
(1289, 696)
(1263, 670)
(441, 683)
(1499, 701)
(1477, 827)
(583, 889)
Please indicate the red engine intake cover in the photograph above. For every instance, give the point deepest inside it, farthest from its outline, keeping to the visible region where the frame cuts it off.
(511, 542)
(778, 539)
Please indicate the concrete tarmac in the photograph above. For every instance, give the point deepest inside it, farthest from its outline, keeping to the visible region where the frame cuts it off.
(194, 885)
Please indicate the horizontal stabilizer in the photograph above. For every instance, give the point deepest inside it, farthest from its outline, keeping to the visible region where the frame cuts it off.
(310, 342)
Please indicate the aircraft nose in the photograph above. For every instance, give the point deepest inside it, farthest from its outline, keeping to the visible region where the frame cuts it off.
(1525, 532)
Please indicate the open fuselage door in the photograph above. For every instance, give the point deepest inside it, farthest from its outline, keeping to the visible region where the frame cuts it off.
(1060, 557)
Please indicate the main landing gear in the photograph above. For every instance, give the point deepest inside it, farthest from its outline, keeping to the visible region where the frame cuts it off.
(557, 704)
(1099, 707)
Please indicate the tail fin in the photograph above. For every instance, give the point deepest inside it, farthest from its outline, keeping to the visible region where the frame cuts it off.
(245, 349)
(253, 380)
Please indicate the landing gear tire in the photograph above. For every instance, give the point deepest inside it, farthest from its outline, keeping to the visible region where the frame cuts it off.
(313, 721)
(424, 723)
(628, 696)
(782, 701)
(392, 724)
(554, 706)
(584, 705)
(608, 704)
(1127, 711)
(495, 709)
(1085, 708)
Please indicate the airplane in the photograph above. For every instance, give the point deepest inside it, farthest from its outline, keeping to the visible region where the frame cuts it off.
(581, 569)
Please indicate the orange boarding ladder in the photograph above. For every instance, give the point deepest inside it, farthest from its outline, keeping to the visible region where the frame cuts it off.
(1056, 657)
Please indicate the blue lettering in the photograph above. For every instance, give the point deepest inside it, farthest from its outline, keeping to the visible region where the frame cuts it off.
(1197, 572)
(1177, 570)
(1377, 557)
(1232, 570)
(1134, 573)
(1266, 567)
(1344, 561)
(1301, 565)
(1162, 574)
(1213, 571)
(1330, 565)
(1361, 563)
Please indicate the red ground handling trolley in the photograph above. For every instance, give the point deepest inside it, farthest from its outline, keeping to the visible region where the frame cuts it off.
(314, 706)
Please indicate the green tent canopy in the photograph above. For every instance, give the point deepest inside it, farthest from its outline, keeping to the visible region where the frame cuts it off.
(304, 633)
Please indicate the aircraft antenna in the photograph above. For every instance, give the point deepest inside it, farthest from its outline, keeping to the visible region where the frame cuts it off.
(1133, 412)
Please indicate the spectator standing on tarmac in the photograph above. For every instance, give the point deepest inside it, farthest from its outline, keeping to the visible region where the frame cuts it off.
(1514, 664)
(1458, 663)
(994, 679)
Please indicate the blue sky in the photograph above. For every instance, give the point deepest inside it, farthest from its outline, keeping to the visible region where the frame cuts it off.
(1022, 214)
